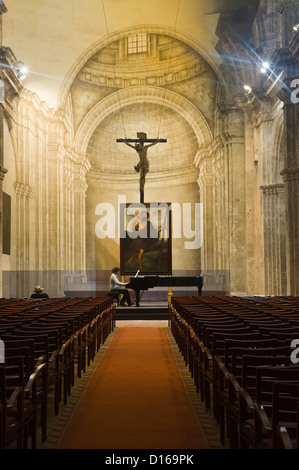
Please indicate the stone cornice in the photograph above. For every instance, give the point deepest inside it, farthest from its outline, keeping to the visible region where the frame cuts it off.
(273, 189)
(290, 174)
(40, 106)
(268, 114)
(160, 74)
(228, 106)
(186, 175)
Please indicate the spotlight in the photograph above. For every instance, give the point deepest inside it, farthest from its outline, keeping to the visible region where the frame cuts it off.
(265, 66)
(296, 27)
(248, 88)
(18, 64)
(20, 69)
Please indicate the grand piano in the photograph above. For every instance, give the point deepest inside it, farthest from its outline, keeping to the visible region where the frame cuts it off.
(148, 282)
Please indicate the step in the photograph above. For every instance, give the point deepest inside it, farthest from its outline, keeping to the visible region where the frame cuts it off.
(142, 313)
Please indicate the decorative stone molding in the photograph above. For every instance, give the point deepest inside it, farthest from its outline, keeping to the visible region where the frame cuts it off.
(31, 98)
(290, 174)
(273, 189)
(164, 178)
(3, 172)
(22, 189)
(135, 95)
(12, 84)
(3, 8)
(80, 187)
(124, 76)
(215, 148)
(150, 29)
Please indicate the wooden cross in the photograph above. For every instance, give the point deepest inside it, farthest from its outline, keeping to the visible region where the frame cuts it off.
(143, 165)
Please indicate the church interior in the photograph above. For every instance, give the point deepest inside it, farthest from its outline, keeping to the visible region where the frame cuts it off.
(206, 350)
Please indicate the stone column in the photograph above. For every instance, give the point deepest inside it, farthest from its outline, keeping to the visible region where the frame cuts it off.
(274, 239)
(219, 214)
(281, 221)
(291, 179)
(235, 170)
(3, 170)
(287, 60)
(207, 198)
(55, 208)
(289, 10)
(23, 281)
(79, 230)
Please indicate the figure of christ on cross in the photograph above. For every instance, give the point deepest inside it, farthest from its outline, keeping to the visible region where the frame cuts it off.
(143, 166)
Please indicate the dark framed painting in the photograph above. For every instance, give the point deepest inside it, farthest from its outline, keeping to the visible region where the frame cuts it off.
(145, 238)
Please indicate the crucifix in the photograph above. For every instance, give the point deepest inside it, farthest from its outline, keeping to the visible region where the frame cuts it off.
(143, 166)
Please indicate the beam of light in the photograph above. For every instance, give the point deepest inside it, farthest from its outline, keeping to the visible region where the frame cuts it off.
(238, 60)
(46, 75)
(25, 71)
(276, 77)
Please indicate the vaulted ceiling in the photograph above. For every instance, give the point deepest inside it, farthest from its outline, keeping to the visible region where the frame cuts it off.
(51, 36)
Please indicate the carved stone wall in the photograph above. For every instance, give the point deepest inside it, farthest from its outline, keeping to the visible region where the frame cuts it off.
(233, 151)
(49, 208)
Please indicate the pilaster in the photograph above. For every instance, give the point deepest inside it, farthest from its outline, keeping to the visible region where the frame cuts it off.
(274, 239)
(291, 180)
(235, 167)
(288, 61)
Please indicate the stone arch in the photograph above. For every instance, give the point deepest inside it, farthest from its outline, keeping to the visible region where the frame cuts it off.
(154, 29)
(135, 95)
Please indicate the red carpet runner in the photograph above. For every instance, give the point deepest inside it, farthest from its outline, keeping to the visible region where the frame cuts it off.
(136, 399)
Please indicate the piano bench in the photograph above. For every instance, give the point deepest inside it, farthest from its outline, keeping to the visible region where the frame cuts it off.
(115, 296)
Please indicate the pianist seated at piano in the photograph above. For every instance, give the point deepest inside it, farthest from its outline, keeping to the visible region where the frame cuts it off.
(116, 287)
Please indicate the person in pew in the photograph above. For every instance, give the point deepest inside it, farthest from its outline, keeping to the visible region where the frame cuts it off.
(116, 286)
(38, 293)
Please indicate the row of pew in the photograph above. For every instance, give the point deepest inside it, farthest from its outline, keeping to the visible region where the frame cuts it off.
(243, 355)
(47, 343)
